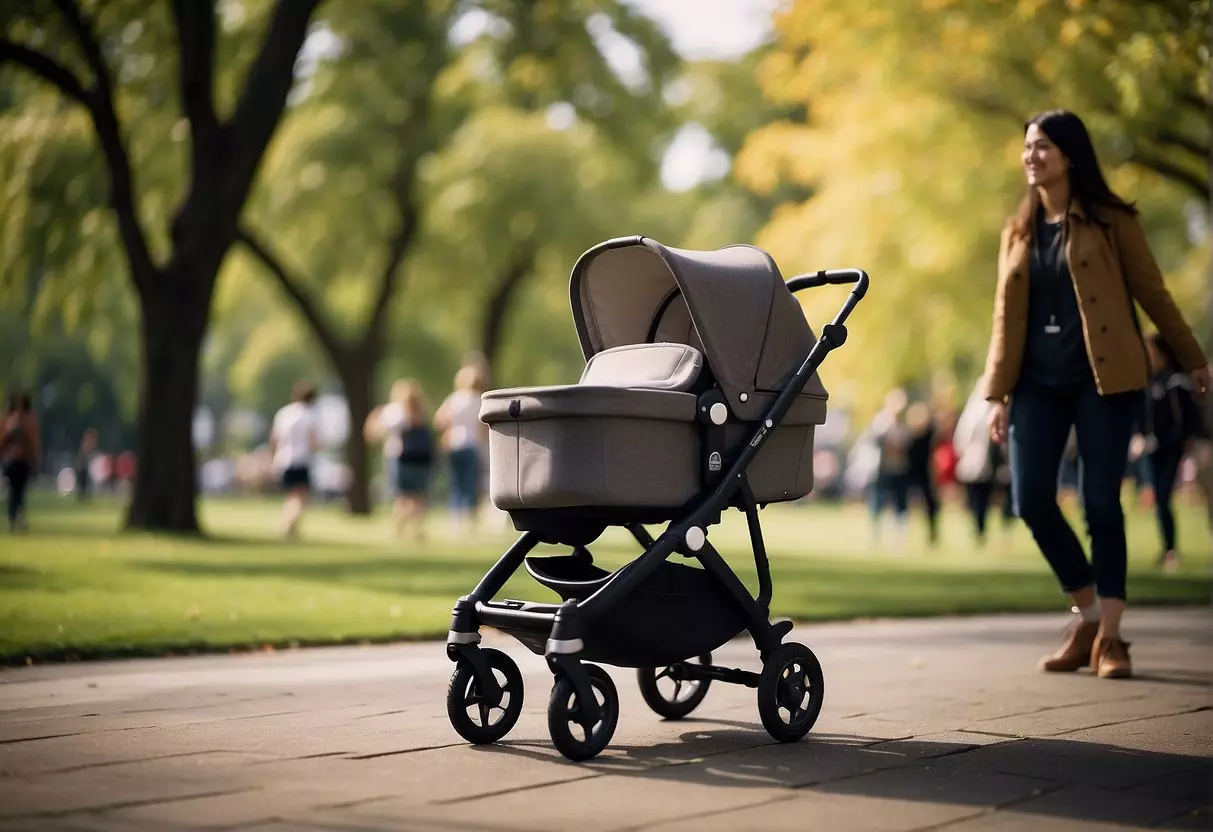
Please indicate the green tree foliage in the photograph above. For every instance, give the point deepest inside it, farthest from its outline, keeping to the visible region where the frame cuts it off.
(124, 66)
(393, 100)
(912, 148)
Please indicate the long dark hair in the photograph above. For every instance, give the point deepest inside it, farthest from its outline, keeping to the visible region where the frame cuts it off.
(1087, 184)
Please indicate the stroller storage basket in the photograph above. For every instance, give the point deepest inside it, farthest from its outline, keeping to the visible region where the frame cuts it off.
(677, 613)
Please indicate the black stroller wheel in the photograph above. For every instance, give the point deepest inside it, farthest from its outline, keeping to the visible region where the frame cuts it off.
(668, 693)
(790, 692)
(571, 736)
(475, 720)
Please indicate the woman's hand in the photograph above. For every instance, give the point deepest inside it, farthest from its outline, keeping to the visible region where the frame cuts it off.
(1200, 380)
(997, 420)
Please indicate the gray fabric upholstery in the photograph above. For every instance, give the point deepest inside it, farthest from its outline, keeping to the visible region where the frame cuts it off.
(651, 366)
(531, 403)
(626, 436)
(732, 302)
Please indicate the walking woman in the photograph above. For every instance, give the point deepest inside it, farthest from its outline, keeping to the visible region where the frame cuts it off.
(463, 437)
(20, 455)
(403, 424)
(1066, 351)
(1173, 421)
(294, 441)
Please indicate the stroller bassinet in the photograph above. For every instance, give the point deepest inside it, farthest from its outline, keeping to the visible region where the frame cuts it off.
(700, 393)
(660, 328)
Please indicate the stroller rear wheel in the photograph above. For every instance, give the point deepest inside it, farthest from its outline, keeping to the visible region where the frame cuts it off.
(475, 719)
(570, 733)
(790, 692)
(669, 693)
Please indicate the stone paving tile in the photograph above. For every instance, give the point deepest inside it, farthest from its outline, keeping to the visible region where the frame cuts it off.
(1075, 804)
(1094, 714)
(608, 802)
(1106, 766)
(811, 810)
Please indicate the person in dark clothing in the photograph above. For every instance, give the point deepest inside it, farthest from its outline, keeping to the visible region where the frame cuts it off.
(1171, 418)
(1066, 352)
(20, 454)
(919, 477)
(83, 463)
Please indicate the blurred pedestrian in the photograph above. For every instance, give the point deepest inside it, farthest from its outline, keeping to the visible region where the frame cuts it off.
(84, 462)
(1066, 351)
(294, 441)
(20, 456)
(976, 459)
(890, 487)
(458, 423)
(1172, 420)
(403, 425)
(920, 424)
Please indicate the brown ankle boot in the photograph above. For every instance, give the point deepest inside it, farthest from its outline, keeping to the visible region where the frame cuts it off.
(1075, 651)
(1111, 659)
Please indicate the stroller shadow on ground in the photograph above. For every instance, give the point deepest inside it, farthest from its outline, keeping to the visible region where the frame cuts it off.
(1054, 778)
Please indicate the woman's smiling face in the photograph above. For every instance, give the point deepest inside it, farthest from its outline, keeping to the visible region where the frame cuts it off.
(1043, 162)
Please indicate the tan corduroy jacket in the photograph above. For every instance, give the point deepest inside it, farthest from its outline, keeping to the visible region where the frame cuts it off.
(1107, 263)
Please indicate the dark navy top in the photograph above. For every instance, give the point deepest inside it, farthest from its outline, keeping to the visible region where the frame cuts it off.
(1055, 354)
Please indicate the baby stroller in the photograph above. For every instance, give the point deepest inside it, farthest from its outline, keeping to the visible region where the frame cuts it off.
(699, 394)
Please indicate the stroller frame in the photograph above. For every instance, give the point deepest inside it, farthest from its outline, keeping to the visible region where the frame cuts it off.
(565, 623)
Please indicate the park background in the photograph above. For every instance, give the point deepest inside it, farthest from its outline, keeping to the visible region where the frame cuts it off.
(202, 207)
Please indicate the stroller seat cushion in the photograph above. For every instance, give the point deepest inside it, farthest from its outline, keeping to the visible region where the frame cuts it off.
(580, 400)
(650, 366)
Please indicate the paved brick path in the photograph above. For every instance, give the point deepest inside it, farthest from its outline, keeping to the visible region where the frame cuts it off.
(927, 724)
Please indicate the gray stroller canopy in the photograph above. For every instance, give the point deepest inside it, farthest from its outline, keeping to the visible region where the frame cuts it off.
(731, 303)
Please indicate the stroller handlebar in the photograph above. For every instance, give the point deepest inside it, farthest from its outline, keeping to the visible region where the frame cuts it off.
(831, 277)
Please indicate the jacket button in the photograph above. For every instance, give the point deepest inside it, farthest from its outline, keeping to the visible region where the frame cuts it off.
(1103, 328)
(1092, 298)
(1099, 359)
(1083, 264)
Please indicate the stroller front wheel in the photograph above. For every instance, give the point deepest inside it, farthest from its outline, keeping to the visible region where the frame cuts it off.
(791, 689)
(570, 733)
(475, 718)
(669, 693)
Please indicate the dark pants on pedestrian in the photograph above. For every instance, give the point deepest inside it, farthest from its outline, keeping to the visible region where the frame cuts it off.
(1164, 469)
(920, 481)
(465, 478)
(1040, 424)
(17, 473)
(978, 496)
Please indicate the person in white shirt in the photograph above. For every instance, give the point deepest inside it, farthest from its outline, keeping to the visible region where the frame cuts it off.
(463, 436)
(294, 440)
(403, 425)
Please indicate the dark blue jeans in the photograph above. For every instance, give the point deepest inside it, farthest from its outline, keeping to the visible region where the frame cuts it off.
(1040, 421)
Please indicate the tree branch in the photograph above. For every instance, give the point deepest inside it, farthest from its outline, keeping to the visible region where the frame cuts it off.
(1174, 139)
(1198, 185)
(196, 42)
(100, 103)
(493, 322)
(293, 286)
(45, 67)
(389, 280)
(263, 98)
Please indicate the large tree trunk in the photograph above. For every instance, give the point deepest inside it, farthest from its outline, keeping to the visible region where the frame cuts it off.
(357, 378)
(166, 482)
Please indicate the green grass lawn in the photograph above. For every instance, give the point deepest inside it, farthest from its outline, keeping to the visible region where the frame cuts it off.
(75, 588)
